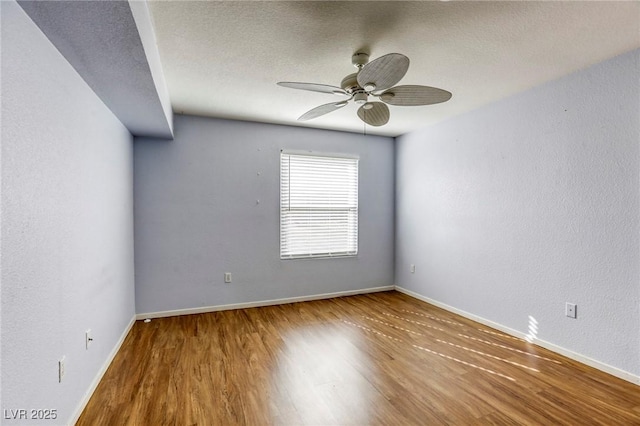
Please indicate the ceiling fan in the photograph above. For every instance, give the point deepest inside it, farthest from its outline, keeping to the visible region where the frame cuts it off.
(373, 80)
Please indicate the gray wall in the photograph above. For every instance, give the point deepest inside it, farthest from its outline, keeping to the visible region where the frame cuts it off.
(197, 215)
(67, 225)
(518, 207)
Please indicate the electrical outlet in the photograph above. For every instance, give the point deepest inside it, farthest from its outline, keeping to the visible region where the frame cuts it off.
(413, 268)
(571, 310)
(61, 369)
(227, 277)
(88, 339)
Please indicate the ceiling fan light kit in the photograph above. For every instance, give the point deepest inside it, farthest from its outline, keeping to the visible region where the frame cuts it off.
(360, 97)
(375, 79)
(369, 87)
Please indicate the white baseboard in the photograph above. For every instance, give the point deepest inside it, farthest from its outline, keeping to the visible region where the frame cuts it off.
(614, 371)
(96, 380)
(205, 309)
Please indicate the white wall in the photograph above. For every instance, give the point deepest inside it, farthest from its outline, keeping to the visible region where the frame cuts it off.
(196, 215)
(518, 207)
(67, 225)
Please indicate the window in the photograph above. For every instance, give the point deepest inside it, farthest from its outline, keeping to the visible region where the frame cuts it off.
(318, 206)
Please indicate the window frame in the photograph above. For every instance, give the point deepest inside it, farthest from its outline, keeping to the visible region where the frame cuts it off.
(352, 211)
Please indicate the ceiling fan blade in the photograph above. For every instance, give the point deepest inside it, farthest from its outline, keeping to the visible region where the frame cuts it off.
(383, 72)
(322, 110)
(415, 95)
(376, 115)
(314, 87)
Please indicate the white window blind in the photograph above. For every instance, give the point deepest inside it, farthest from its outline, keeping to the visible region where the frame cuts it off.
(318, 206)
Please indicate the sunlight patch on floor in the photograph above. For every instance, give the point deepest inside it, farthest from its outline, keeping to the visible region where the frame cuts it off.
(393, 326)
(372, 331)
(508, 348)
(434, 318)
(469, 364)
(501, 335)
(488, 355)
(412, 321)
(465, 363)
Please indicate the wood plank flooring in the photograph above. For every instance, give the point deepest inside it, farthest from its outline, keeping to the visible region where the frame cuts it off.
(378, 359)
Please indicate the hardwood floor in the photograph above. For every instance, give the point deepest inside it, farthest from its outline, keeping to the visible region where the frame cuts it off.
(382, 358)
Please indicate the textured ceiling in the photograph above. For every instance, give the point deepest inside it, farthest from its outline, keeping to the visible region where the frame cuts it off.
(223, 59)
(105, 43)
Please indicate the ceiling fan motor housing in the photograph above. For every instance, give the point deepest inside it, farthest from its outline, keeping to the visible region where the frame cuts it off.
(359, 59)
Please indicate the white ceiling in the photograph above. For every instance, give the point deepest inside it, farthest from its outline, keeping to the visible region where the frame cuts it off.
(223, 58)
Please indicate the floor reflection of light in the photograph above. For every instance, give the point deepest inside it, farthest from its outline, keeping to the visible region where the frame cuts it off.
(509, 348)
(488, 355)
(412, 321)
(393, 326)
(315, 379)
(465, 363)
(533, 330)
(434, 318)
